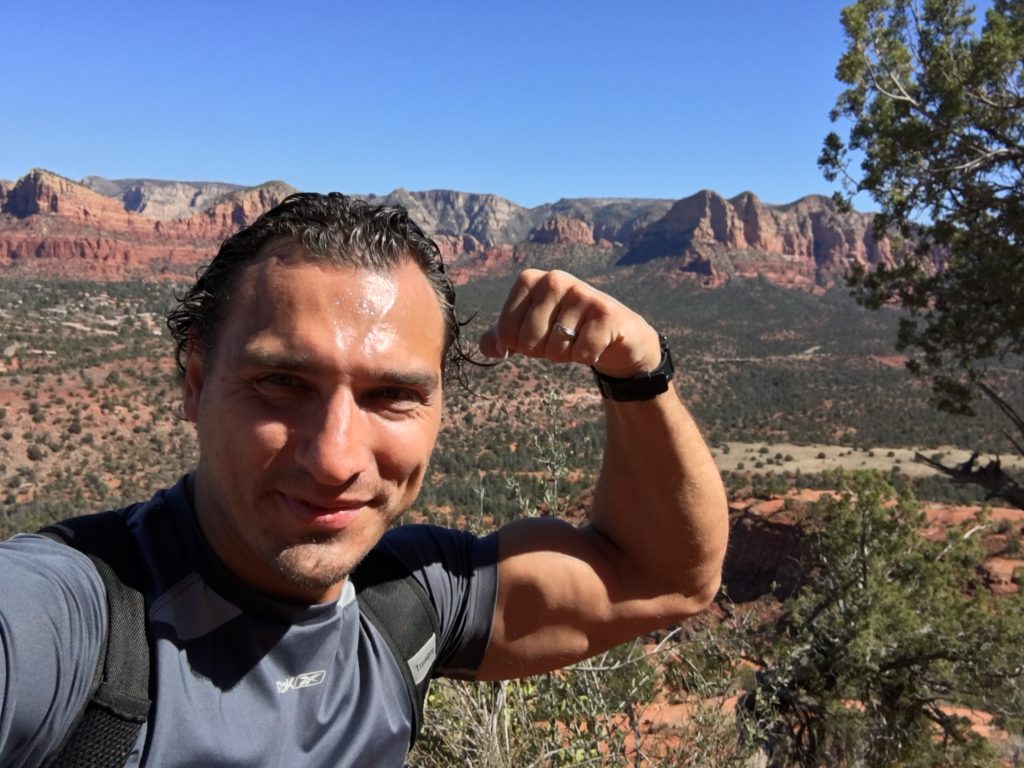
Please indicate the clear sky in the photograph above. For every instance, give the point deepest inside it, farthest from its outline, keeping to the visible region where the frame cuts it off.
(530, 100)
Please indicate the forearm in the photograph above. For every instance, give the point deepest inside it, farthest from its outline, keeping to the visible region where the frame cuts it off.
(660, 504)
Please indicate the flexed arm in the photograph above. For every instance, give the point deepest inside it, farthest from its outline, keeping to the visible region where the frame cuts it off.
(653, 549)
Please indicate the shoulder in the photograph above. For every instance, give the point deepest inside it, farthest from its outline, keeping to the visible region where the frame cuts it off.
(51, 575)
(459, 573)
(53, 622)
(450, 564)
(435, 547)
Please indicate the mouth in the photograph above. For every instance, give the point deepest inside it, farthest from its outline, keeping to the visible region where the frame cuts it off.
(335, 515)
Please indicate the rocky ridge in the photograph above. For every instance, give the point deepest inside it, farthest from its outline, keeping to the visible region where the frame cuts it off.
(162, 200)
(807, 243)
(54, 226)
(147, 228)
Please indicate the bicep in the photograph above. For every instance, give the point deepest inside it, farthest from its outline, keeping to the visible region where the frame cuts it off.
(565, 594)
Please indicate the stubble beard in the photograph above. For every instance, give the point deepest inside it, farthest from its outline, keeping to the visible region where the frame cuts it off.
(318, 564)
(311, 565)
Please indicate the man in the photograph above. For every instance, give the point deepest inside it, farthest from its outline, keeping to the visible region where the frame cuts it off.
(314, 351)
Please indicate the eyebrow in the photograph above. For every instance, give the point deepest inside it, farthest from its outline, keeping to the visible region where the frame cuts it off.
(297, 362)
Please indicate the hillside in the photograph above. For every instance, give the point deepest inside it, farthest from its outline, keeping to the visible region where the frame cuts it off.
(149, 229)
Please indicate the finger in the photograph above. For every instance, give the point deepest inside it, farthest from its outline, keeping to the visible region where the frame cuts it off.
(619, 345)
(531, 310)
(595, 334)
(563, 334)
(535, 324)
(517, 305)
(490, 345)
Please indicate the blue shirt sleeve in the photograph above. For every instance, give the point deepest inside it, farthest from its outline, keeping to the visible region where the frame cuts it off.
(459, 572)
(53, 620)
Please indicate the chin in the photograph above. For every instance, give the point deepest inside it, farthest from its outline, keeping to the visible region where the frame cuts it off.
(316, 571)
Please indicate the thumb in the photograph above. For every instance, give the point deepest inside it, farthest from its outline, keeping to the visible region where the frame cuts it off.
(490, 344)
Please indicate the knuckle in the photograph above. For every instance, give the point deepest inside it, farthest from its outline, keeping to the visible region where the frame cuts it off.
(555, 282)
(530, 277)
(560, 279)
(578, 293)
(531, 337)
(584, 353)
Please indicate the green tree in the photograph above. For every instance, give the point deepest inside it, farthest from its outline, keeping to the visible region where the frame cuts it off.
(888, 635)
(935, 107)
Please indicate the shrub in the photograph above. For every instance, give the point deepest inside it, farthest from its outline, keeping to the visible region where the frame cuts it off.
(859, 631)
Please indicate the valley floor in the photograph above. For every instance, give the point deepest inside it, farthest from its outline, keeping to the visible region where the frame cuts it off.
(764, 457)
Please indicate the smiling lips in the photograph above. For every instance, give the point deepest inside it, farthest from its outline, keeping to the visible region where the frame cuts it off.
(335, 516)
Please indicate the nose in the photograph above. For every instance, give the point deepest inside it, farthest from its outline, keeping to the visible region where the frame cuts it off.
(334, 446)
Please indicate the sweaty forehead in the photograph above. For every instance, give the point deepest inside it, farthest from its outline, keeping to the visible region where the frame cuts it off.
(300, 301)
(283, 267)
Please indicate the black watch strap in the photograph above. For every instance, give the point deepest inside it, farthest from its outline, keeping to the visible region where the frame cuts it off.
(642, 386)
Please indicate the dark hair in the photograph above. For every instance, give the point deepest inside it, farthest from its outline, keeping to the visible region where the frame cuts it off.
(332, 229)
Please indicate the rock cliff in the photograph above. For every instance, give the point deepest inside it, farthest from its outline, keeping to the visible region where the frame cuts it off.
(162, 200)
(52, 225)
(563, 230)
(809, 242)
(143, 227)
(486, 219)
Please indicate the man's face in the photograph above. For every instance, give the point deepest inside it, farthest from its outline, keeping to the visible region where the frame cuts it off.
(316, 417)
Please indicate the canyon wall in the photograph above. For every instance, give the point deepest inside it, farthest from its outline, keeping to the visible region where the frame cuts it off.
(146, 228)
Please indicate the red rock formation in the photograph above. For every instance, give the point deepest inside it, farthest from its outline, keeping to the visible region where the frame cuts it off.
(41, 193)
(563, 230)
(162, 200)
(809, 242)
(500, 260)
(52, 225)
(453, 247)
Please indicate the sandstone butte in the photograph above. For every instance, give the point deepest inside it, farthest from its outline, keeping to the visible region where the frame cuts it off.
(98, 229)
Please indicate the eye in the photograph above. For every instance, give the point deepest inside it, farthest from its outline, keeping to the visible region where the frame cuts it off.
(276, 382)
(396, 398)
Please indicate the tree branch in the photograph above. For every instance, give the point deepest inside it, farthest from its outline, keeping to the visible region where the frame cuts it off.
(990, 476)
(1008, 410)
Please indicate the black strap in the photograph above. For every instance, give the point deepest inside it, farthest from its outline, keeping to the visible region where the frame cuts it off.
(108, 726)
(400, 609)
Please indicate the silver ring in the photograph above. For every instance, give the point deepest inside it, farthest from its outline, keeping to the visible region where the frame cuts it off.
(564, 329)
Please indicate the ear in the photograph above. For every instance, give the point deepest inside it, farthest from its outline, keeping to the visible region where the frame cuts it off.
(194, 374)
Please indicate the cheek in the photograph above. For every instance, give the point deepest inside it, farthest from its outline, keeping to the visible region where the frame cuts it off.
(270, 441)
(405, 452)
(247, 447)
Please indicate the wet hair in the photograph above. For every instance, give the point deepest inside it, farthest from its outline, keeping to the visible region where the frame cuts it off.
(331, 229)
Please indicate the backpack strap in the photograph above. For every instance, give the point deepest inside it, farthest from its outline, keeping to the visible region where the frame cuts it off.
(107, 728)
(398, 606)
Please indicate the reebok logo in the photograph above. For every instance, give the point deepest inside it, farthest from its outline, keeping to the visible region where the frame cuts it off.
(305, 680)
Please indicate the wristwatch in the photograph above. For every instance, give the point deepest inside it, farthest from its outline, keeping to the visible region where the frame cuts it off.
(642, 386)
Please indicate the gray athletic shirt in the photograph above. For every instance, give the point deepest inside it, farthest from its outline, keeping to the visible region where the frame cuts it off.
(241, 679)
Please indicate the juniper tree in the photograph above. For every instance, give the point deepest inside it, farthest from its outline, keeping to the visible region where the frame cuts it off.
(934, 106)
(890, 634)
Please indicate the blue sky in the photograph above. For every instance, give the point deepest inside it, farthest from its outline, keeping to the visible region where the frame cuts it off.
(532, 101)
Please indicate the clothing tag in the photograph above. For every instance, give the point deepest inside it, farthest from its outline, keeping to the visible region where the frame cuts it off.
(422, 660)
